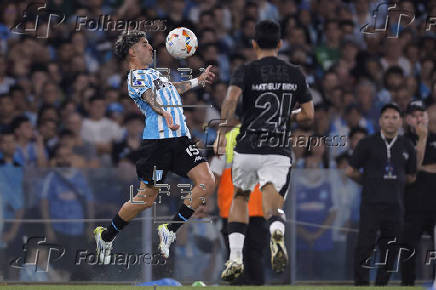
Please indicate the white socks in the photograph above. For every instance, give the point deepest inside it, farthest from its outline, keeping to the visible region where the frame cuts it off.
(277, 225)
(236, 243)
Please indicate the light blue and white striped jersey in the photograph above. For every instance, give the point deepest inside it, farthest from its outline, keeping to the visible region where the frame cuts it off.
(138, 81)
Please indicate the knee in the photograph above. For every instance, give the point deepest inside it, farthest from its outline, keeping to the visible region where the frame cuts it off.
(141, 201)
(207, 183)
(136, 205)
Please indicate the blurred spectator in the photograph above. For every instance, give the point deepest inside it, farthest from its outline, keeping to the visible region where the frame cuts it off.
(267, 10)
(99, 130)
(125, 150)
(81, 147)
(246, 34)
(316, 154)
(402, 97)
(11, 201)
(322, 120)
(51, 94)
(365, 97)
(394, 56)
(329, 52)
(30, 147)
(7, 111)
(47, 128)
(427, 78)
(315, 205)
(393, 79)
(66, 193)
(66, 144)
(5, 81)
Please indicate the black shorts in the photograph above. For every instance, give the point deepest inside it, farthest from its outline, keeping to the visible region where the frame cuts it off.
(178, 155)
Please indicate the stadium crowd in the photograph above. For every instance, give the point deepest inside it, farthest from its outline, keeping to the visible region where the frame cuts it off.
(66, 95)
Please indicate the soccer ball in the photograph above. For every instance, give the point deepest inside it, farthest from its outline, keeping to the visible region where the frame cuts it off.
(181, 43)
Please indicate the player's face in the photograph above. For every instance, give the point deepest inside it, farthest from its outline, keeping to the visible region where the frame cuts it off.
(390, 121)
(144, 51)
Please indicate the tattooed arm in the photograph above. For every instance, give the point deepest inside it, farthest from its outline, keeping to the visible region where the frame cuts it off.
(182, 87)
(206, 77)
(150, 98)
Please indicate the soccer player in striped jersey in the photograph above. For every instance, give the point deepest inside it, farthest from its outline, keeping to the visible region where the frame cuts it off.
(166, 144)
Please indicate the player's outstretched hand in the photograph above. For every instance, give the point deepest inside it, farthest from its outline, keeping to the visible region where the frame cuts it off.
(207, 76)
(173, 126)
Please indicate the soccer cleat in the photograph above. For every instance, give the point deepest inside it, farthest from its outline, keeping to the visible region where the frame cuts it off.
(103, 248)
(279, 256)
(166, 237)
(233, 270)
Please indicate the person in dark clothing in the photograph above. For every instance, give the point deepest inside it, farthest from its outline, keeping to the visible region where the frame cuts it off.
(127, 149)
(420, 200)
(388, 162)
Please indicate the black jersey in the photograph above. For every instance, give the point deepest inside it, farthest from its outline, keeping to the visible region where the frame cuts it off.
(370, 154)
(270, 89)
(420, 196)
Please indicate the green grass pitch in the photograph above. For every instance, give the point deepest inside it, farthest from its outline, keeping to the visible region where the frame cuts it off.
(126, 287)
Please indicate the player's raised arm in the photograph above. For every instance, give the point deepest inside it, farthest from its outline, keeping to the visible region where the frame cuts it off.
(230, 103)
(150, 98)
(228, 109)
(206, 77)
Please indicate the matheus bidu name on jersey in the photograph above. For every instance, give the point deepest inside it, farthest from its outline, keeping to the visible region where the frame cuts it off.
(274, 86)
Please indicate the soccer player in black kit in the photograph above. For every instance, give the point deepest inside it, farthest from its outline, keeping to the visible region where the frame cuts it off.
(270, 88)
(420, 197)
(388, 162)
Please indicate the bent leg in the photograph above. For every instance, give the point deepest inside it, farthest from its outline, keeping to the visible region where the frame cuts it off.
(204, 185)
(143, 199)
(130, 209)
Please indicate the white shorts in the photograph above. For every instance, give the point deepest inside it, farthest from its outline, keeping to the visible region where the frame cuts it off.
(251, 169)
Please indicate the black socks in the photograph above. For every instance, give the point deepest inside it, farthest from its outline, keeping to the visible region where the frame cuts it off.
(183, 215)
(117, 225)
(236, 227)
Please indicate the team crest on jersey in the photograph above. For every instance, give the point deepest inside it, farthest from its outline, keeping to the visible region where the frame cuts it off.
(158, 84)
(406, 155)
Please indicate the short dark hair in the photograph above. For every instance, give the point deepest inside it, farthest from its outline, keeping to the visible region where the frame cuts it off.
(393, 70)
(267, 34)
(96, 97)
(65, 132)
(392, 106)
(357, 130)
(17, 121)
(125, 41)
